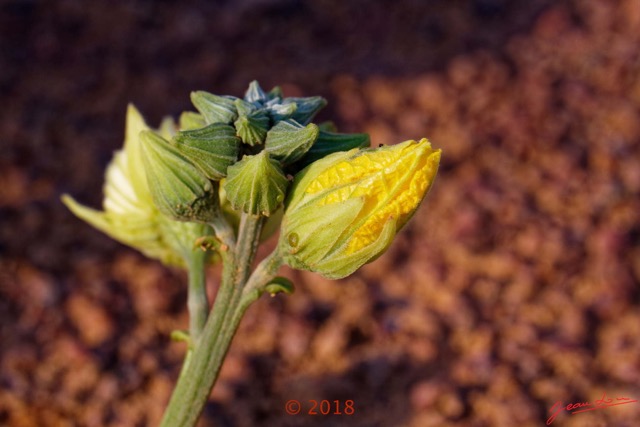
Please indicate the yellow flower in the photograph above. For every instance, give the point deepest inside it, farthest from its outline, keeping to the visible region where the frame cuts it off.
(130, 215)
(345, 209)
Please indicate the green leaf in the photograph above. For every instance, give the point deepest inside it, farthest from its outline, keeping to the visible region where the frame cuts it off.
(256, 185)
(288, 140)
(214, 109)
(212, 149)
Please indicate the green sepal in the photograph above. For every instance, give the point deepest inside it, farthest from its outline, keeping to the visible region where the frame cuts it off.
(278, 285)
(212, 149)
(190, 120)
(288, 140)
(338, 267)
(330, 142)
(314, 232)
(255, 185)
(179, 190)
(252, 123)
(306, 108)
(214, 108)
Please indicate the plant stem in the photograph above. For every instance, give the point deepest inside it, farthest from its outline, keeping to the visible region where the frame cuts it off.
(197, 302)
(203, 364)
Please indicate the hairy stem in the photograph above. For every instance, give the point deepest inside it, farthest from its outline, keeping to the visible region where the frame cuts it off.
(203, 364)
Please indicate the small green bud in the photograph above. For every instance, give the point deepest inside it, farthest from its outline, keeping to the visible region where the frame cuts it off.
(306, 108)
(279, 284)
(279, 111)
(330, 142)
(256, 185)
(275, 93)
(178, 188)
(288, 140)
(255, 94)
(252, 123)
(344, 210)
(190, 120)
(214, 108)
(180, 336)
(212, 149)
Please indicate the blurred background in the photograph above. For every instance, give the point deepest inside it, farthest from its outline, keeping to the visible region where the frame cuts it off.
(516, 285)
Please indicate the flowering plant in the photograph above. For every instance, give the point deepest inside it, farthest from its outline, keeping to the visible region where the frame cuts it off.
(214, 185)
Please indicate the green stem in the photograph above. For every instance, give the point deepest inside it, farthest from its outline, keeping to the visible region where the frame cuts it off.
(197, 302)
(199, 374)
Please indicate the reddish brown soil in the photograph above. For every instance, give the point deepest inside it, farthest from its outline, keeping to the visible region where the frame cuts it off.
(516, 285)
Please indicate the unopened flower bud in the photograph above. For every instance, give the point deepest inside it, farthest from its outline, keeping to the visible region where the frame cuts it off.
(212, 149)
(129, 214)
(252, 123)
(214, 108)
(256, 185)
(345, 209)
(178, 188)
(288, 140)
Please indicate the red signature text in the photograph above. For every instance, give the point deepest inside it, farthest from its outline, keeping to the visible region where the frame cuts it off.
(576, 408)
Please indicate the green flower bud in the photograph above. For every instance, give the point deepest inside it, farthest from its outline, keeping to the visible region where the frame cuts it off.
(214, 108)
(212, 149)
(252, 123)
(178, 188)
(256, 185)
(129, 214)
(275, 94)
(278, 111)
(255, 94)
(289, 140)
(344, 210)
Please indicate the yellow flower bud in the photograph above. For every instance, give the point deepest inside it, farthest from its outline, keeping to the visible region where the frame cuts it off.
(344, 210)
(129, 214)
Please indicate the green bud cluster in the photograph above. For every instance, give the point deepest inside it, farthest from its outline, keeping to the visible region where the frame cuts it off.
(249, 145)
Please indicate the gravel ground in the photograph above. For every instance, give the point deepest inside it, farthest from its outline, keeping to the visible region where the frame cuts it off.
(515, 286)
